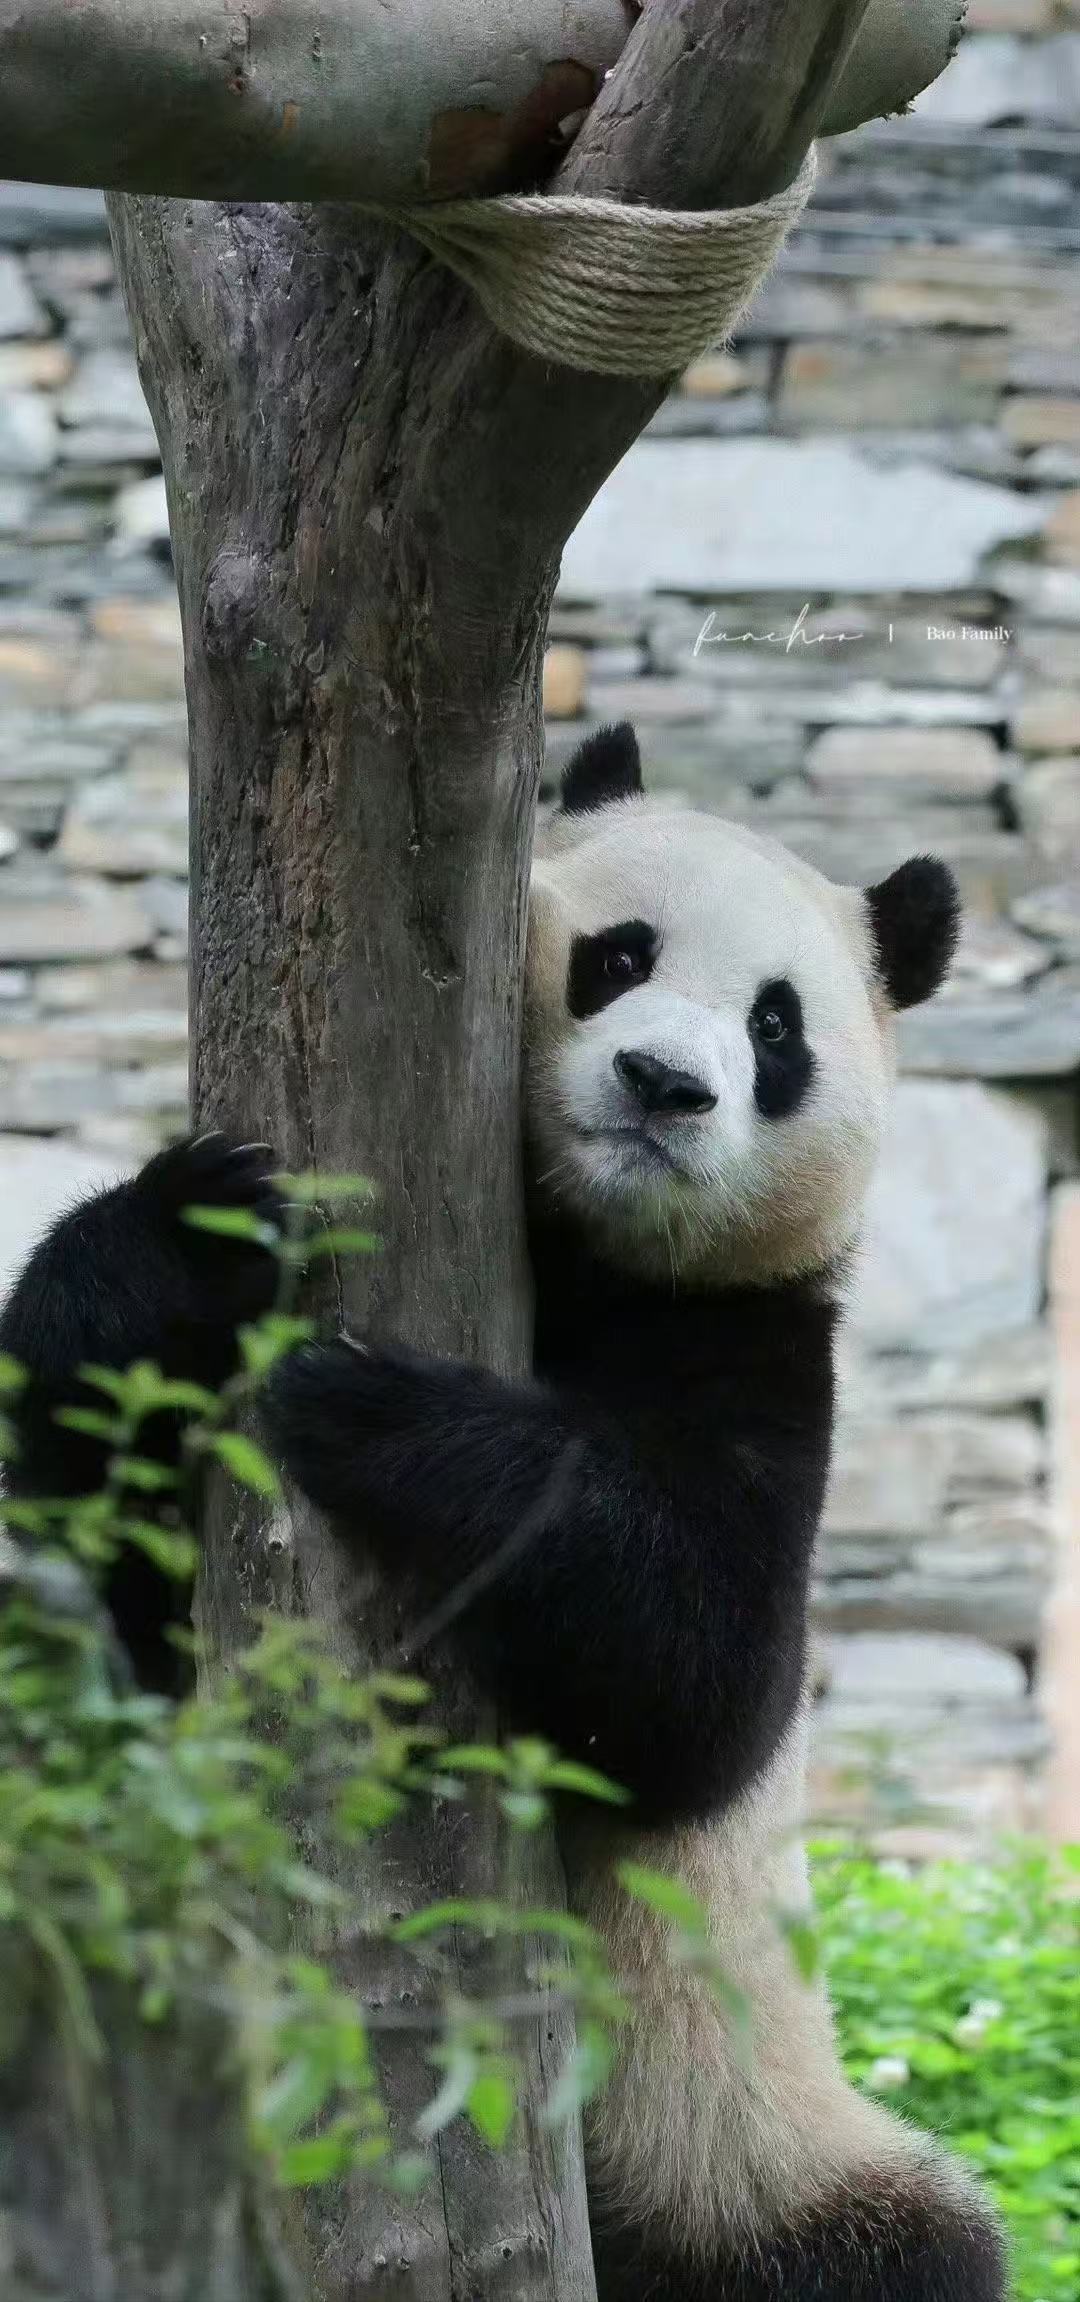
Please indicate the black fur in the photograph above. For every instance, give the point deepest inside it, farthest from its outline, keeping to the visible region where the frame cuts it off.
(606, 766)
(124, 1278)
(783, 1066)
(655, 1622)
(603, 966)
(670, 1461)
(915, 917)
(883, 2241)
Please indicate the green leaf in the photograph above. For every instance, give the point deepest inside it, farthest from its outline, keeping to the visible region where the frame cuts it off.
(155, 2003)
(147, 1477)
(30, 1518)
(310, 1887)
(367, 1805)
(474, 1758)
(566, 1774)
(186, 1398)
(453, 1911)
(307, 1190)
(56, 1950)
(305, 2164)
(87, 1420)
(283, 1328)
(337, 1242)
(407, 2173)
(453, 2094)
(667, 1896)
(526, 1808)
(584, 2073)
(802, 1940)
(13, 1376)
(232, 1223)
(107, 1379)
(530, 1758)
(396, 1687)
(175, 1553)
(262, 1347)
(296, 2096)
(491, 1917)
(491, 2104)
(247, 1463)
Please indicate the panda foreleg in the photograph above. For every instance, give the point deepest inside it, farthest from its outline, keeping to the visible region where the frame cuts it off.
(122, 1278)
(589, 1604)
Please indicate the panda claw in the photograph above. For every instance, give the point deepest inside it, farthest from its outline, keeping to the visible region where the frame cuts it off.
(208, 1169)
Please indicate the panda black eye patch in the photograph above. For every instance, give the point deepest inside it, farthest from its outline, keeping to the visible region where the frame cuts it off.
(783, 1063)
(605, 965)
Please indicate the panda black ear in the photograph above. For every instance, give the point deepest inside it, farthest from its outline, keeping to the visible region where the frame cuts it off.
(915, 920)
(606, 766)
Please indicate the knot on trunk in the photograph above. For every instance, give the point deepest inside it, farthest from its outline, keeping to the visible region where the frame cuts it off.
(240, 612)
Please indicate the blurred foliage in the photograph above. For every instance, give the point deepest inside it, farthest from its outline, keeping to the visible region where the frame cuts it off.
(156, 1842)
(957, 1991)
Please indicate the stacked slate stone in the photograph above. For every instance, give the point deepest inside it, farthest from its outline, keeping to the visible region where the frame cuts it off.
(837, 587)
(93, 897)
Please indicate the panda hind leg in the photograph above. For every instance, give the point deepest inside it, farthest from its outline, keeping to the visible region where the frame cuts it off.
(915, 2240)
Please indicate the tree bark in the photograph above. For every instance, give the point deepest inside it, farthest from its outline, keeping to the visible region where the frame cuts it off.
(352, 99)
(127, 2178)
(369, 494)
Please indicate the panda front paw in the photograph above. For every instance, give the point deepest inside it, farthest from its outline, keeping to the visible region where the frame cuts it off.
(123, 1278)
(222, 1281)
(210, 1171)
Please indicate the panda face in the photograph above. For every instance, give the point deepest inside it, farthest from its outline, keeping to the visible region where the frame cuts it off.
(708, 1044)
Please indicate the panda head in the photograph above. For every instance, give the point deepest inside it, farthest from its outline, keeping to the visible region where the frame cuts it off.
(709, 1029)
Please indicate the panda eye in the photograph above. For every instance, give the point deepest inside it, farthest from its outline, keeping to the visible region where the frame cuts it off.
(783, 1063)
(776, 1014)
(603, 966)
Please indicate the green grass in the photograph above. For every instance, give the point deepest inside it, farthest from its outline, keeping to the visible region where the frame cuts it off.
(957, 1991)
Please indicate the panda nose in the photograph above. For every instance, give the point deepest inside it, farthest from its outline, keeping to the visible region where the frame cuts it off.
(657, 1087)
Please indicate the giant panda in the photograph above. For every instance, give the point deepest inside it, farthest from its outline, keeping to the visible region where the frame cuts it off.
(708, 1052)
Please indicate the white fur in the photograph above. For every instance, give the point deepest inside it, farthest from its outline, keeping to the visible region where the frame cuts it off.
(729, 1194)
(708, 2131)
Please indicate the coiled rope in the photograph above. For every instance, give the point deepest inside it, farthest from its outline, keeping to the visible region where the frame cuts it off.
(606, 286)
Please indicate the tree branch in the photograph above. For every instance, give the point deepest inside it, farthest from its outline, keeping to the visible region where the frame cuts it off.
(297, 99)
(714, 103)
(354, 100)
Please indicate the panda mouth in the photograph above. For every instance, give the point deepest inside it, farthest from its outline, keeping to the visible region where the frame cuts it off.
(641, 1140)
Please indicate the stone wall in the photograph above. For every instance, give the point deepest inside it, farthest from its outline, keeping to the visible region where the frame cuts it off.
(838, 588)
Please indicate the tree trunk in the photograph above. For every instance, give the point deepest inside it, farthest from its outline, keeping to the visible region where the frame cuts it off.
(114, 2187)
(369, 495)
(352, 99)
